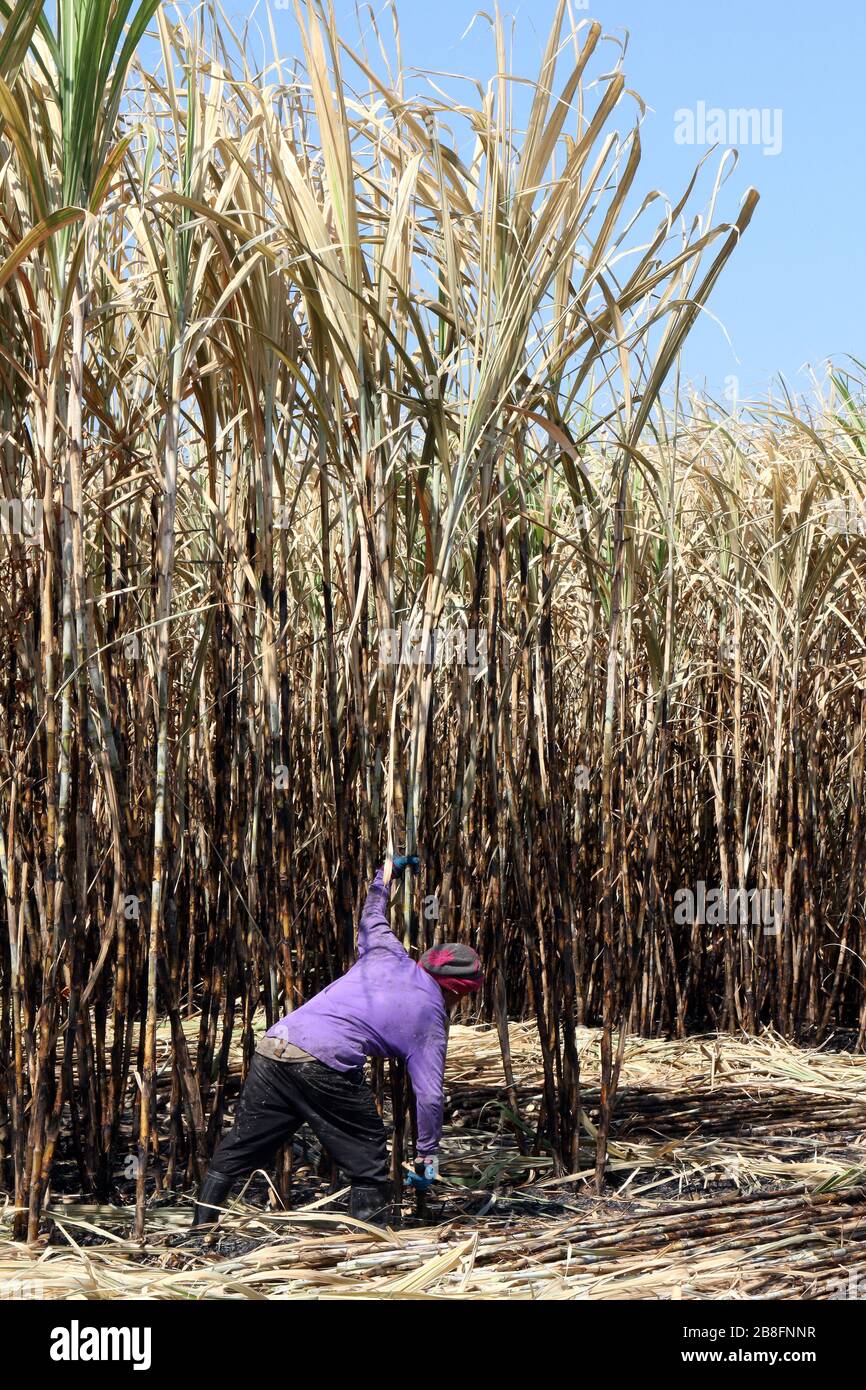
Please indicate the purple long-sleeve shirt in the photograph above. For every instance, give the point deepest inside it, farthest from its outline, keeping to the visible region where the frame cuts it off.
(385, 1006)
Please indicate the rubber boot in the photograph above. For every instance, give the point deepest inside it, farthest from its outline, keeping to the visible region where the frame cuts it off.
(371, 1202)
(214, 1190)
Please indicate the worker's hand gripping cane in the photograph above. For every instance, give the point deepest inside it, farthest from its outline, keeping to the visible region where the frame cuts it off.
(396, 867)
(420, 1179)
(424, 1174)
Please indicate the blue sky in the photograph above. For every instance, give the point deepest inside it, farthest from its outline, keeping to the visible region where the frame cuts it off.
(793, 294)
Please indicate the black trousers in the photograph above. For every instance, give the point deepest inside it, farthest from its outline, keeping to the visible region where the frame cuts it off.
(278, 1097)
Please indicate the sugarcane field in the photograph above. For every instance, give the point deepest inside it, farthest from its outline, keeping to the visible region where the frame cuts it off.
(432, 666)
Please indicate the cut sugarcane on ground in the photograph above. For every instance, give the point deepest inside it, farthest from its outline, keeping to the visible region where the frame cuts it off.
(738, 1169)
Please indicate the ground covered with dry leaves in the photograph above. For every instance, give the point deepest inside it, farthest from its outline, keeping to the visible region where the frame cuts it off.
(738, 1170)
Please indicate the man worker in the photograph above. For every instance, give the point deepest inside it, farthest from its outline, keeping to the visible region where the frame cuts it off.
(309, 1066)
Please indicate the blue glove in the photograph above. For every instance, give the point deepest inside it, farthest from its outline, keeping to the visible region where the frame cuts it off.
(425, 1174)
(405, 861)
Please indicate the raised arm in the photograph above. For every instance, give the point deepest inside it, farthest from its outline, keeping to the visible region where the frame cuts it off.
(373, 929)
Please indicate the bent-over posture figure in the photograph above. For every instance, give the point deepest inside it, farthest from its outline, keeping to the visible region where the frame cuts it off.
(309, 1066)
